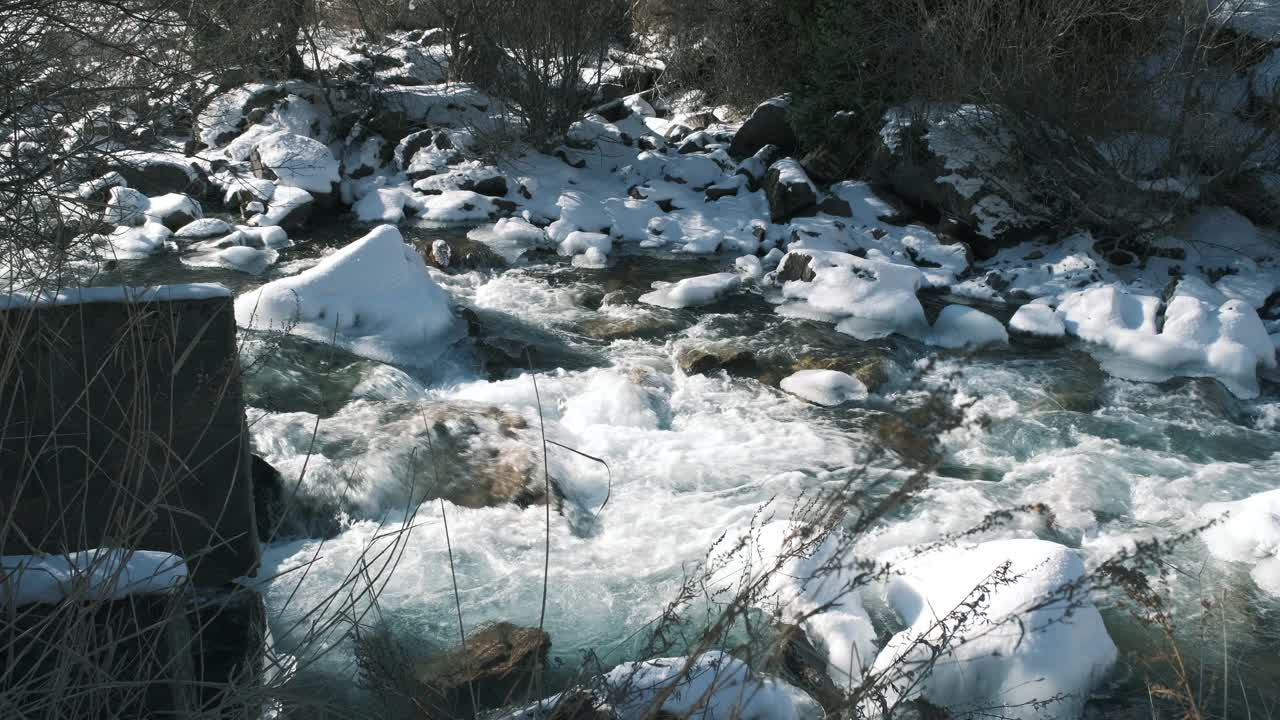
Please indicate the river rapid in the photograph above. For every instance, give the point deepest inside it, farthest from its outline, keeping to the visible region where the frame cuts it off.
(690, 456)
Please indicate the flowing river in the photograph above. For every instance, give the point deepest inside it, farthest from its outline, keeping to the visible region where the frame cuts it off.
(691, 455)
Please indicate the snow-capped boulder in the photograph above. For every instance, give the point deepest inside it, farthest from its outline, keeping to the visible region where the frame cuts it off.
(712, 686)
(226, 115)
(289, 207)
(1198, 339)
(126, 206)
(865, 298)
(700, 290)
(131, 243)
(455, 206)
(1248, 531)
(811, 583)
(372, 297)
(824, 387)
(789, 190)
(175, 210)
(203, 228)
(594, 248)
(756, 167)
(159, 173)
(1017, 623)
(296, 161)
(1037, 319)
(381, 205)
(243, 258)
(958, 327)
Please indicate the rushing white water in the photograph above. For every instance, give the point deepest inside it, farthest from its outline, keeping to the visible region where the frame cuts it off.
(693, 456)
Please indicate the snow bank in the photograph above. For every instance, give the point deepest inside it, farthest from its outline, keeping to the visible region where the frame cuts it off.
(299, 161)
(700, 290)
(824, 387)
(103, 574)
(1006, 655)
(813, 576)
(1248, 531)
(372, 297)
(959, 326)
(865, 298)
(1228, 342)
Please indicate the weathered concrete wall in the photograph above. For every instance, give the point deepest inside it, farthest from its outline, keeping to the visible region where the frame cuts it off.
(125, 658)
(122, 425)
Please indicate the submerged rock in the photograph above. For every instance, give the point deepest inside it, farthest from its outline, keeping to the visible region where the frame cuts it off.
(463, 254)
(705, 359)
(494, 663)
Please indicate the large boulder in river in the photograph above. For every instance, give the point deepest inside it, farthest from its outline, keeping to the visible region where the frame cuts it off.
(789, 190)
(769, 124)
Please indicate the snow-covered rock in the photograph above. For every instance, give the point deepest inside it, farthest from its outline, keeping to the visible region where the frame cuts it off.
(454, 206)
(959, 326)
(203, 228)
(382, 205)
(824, 387)
(224, 117)
(865, 298)
(1228, 342)
(174, 210)
(289, 207)
(789, 189)
(1037, 319)
(372, 297)
(126, 207)
(131, 243)
(297, 161)
(805, 573)
(700, 290)
(1248, 531)
(252, 260)
(104, 574)
(1030, 635)
(712, 686)
(580, 243)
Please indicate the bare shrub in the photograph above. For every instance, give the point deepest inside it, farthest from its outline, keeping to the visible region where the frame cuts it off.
(1121, 115)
